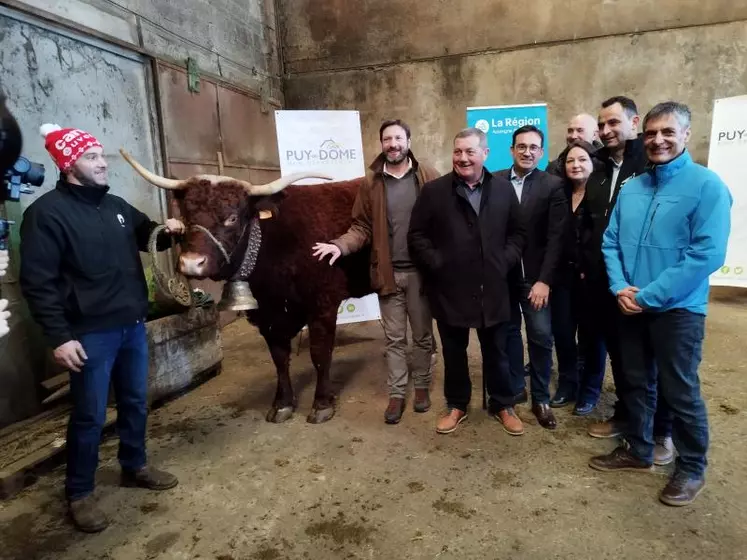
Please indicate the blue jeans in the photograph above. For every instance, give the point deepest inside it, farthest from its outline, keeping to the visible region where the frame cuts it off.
(120, 356)
(606, 321)
(539, 335)
(661, 357)
(570, 315)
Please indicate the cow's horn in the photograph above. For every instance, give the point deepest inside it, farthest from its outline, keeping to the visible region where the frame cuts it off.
(157, 180)
(279, 184)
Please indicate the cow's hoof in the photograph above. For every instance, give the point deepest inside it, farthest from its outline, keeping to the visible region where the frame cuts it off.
(280, 415)
(320, 416)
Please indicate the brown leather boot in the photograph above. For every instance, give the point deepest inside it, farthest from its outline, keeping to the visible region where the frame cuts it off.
(422, 400)
(87, 516)
(619, 460)
(149, 478)
(393, 412)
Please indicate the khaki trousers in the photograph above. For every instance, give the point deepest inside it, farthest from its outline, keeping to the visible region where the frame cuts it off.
(408, 303)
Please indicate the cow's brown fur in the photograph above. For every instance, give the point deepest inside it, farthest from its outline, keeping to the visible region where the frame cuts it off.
(292, 287)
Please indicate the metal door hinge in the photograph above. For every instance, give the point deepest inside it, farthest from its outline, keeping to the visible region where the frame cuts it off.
(193, 76)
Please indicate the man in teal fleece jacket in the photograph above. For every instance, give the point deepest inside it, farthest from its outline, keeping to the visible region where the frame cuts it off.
(667, 235)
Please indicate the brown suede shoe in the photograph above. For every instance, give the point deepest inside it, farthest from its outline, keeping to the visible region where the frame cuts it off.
(681, 490)
(449, 422)
(619, 460)
(87, 516)
(545, 416)
(511, 423)
(149, 478)
(393, 412)
(422, 400)
(608, 429)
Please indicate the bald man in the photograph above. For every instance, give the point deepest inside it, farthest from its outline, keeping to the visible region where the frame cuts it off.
(581, 127)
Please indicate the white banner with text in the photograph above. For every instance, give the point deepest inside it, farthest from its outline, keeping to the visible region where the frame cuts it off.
(329, 142)
(727, 156)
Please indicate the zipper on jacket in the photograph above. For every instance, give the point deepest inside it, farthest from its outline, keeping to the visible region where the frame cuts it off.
(651, 221)
(643, 236)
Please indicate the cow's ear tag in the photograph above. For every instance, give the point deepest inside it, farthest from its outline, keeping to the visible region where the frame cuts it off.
(265, 214)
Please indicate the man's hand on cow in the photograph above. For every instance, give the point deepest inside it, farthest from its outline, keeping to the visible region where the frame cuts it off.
(539, 295)
(4, 315)
(71, 355)
(4, 260)
(626, 301)
(175, 227)
(321, 250)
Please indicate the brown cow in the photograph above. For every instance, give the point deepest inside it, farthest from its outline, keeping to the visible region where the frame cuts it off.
(292, 288)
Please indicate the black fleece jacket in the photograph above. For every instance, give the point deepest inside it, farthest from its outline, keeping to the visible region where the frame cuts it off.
(80, 263)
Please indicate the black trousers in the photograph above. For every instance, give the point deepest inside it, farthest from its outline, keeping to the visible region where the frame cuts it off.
(502, 389)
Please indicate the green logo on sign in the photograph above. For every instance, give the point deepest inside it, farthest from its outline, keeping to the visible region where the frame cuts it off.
(725, 270)
(738, 270)
(350, 307)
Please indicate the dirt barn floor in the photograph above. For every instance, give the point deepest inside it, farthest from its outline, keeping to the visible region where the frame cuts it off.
(357, 488)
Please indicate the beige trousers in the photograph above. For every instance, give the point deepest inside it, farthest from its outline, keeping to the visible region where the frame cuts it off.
(408, 303)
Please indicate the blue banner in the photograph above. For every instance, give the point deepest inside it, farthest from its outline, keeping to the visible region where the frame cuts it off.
(499, 124)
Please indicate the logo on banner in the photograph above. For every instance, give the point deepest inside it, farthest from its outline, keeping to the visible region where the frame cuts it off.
(483, 125)
(328, 151)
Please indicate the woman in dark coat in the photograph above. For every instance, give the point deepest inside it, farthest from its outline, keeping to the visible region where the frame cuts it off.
(580, 376)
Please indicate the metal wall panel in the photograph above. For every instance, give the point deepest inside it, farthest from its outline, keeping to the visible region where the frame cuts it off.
(249, 136)
(190, 120)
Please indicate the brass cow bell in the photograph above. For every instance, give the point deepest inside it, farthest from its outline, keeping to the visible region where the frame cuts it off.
(237, 296)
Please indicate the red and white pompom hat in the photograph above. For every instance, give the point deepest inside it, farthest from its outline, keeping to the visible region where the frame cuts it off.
(66, 145)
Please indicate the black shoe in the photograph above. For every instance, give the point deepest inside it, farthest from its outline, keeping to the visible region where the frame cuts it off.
(681, 490)
(619, 460)
(87, 516)
(544, 416)
(149, 478)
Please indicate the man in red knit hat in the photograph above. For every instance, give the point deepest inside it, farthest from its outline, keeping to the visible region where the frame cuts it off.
(83, 280)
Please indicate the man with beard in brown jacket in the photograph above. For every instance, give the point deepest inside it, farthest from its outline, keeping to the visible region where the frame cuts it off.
(381, 218)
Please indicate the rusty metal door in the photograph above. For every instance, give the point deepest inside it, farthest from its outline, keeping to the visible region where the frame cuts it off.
(221, 129)
(51, 75)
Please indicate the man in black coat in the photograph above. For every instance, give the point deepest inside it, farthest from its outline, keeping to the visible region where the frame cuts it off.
(544, 208)
(624, 157)
(465, 235)
(82, 277)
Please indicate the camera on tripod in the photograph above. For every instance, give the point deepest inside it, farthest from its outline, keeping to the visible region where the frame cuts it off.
(16, 180)
(16, 171)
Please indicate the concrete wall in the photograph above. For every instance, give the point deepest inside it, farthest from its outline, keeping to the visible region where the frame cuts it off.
(427, 61)
(233, 39)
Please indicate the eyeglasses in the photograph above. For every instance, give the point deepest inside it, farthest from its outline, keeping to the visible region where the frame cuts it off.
(533, 149)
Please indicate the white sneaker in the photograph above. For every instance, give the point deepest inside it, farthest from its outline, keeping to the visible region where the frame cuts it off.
(663, 451)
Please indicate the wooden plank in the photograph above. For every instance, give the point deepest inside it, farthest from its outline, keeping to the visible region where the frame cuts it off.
(14, 477)
(58, 394)
(10, 433)
(56, 381)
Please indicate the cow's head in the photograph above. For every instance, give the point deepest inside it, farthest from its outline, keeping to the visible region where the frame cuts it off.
(217, 211)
